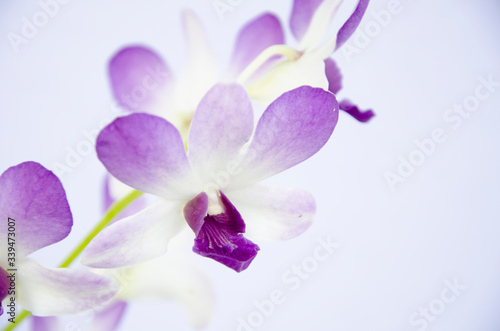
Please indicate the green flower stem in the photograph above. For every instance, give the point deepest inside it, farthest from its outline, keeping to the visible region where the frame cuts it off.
(112, 212)
(18, 320)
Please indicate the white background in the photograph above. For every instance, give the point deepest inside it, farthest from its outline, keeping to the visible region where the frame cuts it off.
(397, 248)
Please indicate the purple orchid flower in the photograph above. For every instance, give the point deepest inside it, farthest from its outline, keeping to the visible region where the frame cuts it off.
(142, 81)
(33, 203)
(311, 63)
(214, 186)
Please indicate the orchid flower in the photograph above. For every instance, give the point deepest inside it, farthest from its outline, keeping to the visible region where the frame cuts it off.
(33, 203)
(310, 64)
(213, 188)
(142, 81)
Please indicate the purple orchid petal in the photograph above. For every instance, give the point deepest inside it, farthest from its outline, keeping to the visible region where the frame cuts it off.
(220, 238)
(274, 213)
(353, 110)
(292, 129)
(147, 153)
(44, 324)
(195, 212)
(221, 125)
(302, 13)
(137, 238)
(138, 78)
(109, 318)
(253, 38)
(35, 199)
(58, 291)
(334, 76)
(352, 23)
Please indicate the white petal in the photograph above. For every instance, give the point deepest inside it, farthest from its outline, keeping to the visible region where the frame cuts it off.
(171, 276)
(274, 213)
(201, 70)
(137, 238)
(57, 291)
(309, 70)
(319, 26)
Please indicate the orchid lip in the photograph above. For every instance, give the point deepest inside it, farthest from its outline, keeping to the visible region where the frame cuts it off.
(220, 238)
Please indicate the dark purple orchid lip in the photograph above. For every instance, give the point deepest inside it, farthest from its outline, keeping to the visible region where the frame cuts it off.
(221, 238)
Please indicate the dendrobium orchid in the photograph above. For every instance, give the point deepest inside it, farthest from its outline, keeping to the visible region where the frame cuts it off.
(213, 187)
(142, 81)
(36, 213)
(310, 64)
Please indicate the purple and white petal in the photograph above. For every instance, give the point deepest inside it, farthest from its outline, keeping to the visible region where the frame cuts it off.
(319, 26)
(59, 291)
(147, 153)
(302, 13)
(109, 318)
(352, 23)
(172, 276)
(137, 238)
(292, 129)
(352, 109)
(222, 124)
(45, 324)
(274, 213)
(34, 198)
(334, 76)
(139, 77)
(253, 38)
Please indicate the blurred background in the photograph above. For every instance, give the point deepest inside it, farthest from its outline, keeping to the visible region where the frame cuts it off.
(412, 198)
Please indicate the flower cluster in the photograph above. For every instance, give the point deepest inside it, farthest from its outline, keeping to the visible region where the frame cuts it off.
(190, 143)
